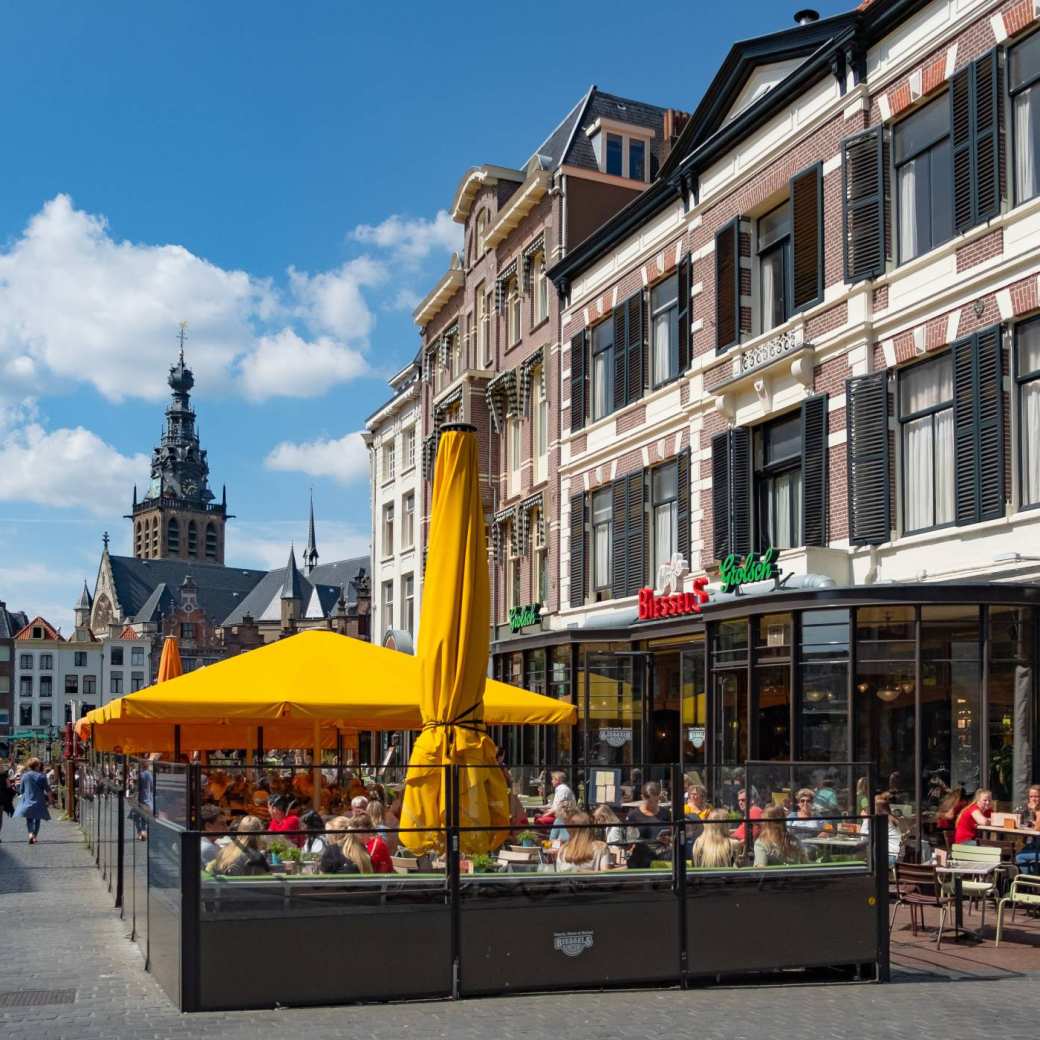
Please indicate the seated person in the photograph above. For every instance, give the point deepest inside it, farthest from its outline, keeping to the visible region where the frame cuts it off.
(361, 826)
(825, 800)
(242, 856)
(561, 793)
(697, 801)
(773, 846)
(358, 804)
(650, 822)
(613, 832)
(213, 823)
(559, 830)
(283, 818)
(754, 813)
(882, 807)
(803, 819)
(978, 812)
(714, 848)
(343, 852)
(581, 851)
(312, 822)
(377, 814)
(1028, 859)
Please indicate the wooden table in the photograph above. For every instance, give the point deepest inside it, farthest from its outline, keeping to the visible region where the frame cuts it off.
(958, 871)
(1013, 832)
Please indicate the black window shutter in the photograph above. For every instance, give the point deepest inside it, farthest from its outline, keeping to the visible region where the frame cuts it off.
(740, 490)
(619, 540)
(863, 217)
(975, 103)
(620, 358)
(635, 534)
(683, 509)
(978, 423)
(635, 347)
(814, 470)
(961, 105)
(990, 393)
(807, 237)
(866, 412)
(727, 285)
(685, 268)
(720, 494)
(987, 128)
(578, 381)
(577, 593)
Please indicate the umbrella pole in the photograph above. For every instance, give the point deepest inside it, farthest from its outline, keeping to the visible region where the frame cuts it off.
(316, 796)
(176, 743)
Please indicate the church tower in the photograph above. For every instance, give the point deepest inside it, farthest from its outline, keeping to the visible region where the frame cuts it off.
(178, 518)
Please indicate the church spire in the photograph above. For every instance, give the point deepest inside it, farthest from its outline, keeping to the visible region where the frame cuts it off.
(310, 554)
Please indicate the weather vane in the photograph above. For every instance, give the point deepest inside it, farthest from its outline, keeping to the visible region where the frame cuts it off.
(182, 335)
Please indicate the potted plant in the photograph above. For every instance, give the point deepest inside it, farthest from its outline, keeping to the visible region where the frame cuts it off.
(528, 839)
(293, 860)
(483, 863)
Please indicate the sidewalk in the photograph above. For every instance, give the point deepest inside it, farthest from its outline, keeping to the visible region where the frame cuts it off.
(61, 934)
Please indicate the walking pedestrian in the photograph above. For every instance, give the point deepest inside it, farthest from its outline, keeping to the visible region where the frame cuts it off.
(6, 793)
(33, 791)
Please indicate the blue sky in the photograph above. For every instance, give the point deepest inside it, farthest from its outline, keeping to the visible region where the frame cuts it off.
(276, 175)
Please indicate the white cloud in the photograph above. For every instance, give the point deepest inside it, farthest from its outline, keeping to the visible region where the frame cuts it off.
(266, 545)
(333, 302)
(88, 308)
(412, 238)
(345, 459)
(69, 467)
(285, 365)
(405, 300)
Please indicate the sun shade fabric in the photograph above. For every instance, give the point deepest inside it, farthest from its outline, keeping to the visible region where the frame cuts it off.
(454, 643)
(341, 682)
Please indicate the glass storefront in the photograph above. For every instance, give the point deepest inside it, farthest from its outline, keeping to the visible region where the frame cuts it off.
(935, 693)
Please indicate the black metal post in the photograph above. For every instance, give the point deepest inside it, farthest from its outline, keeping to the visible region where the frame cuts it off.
(176, 743)
(880, 832)
(195, 795)
(679, 868)
(121, 837)
(453, 880)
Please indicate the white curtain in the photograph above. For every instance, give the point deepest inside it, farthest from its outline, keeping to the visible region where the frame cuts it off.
(1030, 441)
(785, 508)
(770, 270)
(662, 347)
(601, 537)
(944, 467)
(600, 377)
(908, 211)
(1027, 126)
(664, 525)
(918, 484)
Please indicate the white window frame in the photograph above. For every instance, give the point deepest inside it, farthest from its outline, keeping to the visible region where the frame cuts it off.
(389, 460)
(408, 603)
(628, 133)
(408, 520)
(514, 454)
(540, 424)
(388, 530)
(386, 605)
(539, 552)
(514, 308)
(540, 303)
(408, 444)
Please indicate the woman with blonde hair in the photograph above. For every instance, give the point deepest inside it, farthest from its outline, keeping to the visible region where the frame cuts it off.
(713, 848)
(373, 843)
(344, 851)
(582, 852)
(611, 825)
(242, 855)
(773, 846)
(377, 814)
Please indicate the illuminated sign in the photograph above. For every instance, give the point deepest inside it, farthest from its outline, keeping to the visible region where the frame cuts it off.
(653, 606)
(524, 617)
(735, 571)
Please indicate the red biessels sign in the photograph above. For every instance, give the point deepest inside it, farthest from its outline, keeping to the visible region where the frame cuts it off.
(652, 606)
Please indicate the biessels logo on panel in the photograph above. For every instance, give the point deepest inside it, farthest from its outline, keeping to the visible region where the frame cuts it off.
(572, 944)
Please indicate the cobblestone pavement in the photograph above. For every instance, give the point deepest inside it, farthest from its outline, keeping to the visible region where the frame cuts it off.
(59, 932)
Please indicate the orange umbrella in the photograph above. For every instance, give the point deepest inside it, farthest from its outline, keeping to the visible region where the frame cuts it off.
(170, 663)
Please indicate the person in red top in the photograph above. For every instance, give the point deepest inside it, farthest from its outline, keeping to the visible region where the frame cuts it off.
(374, 845)
(284, 820)
(979, 811)
(755, 813)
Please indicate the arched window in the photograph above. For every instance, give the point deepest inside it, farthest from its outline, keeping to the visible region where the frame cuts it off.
(193, 539)
(211, 541)
(138, 539)
(173, 536)
(155, 536)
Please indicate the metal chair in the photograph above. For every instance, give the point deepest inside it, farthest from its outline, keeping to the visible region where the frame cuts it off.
(1024, 891)
(979, 890)
(917, 886)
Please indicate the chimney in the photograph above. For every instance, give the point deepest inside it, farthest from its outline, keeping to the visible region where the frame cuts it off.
(674, 122)
(806, 16)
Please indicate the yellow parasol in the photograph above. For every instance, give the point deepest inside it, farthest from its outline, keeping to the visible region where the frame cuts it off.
(454, 642)
(170, 662)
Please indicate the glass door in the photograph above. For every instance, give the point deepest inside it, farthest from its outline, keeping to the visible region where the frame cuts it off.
(693, 738)
(731, 716)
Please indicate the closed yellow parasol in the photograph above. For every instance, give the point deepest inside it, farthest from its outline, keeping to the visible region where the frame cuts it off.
(454, 642)
(170, 662)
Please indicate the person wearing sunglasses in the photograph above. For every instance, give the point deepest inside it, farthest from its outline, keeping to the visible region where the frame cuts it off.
(804, 819)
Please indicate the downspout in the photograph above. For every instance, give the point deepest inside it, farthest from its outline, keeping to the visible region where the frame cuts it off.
(875, 565)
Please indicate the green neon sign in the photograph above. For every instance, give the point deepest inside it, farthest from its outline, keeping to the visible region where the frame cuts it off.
(524, 617)
(735, 571)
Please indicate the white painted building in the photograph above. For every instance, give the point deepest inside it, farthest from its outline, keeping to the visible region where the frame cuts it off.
(393, 436)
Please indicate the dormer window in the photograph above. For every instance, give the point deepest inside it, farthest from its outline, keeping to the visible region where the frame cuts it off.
(621, 149)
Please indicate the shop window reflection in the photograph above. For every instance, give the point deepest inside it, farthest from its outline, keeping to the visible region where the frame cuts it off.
(1010, 725)
(611, 720)
(824, 665)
